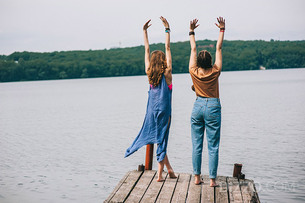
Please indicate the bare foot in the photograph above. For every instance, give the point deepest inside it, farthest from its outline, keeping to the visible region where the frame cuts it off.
(160, 179)
(213, 183)
(172, 174)
(198, 180)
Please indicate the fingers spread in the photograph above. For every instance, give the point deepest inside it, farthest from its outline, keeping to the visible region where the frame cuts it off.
(193, 23)
(165, 23)
(163, 19)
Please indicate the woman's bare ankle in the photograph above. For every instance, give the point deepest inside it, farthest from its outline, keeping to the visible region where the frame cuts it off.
(160, 179)
(213, 183)
(198, 180)
(171, 173)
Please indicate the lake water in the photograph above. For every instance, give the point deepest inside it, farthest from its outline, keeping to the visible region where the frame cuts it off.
(64, 140)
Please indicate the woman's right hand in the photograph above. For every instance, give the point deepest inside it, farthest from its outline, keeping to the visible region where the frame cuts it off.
(146, 26)
(164, 21)
(193, 24)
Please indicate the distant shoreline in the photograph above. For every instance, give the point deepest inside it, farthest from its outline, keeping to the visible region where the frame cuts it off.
(237, 55)
(137, 76)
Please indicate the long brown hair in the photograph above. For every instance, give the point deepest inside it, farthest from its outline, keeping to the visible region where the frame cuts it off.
(204, 59)
(156, 67)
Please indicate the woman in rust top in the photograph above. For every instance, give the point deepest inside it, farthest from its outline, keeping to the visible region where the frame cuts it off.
(206, 114)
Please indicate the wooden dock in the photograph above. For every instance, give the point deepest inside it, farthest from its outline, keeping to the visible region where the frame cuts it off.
(139, 186)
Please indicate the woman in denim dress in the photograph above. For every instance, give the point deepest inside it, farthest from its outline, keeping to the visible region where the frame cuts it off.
(156, 125)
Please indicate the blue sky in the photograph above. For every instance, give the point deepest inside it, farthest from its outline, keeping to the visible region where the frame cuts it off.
(62, 25)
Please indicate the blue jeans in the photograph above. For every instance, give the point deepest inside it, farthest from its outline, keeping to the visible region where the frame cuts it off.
(206, 115)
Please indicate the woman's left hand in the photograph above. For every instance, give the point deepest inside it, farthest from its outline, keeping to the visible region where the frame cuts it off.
(193, 24)
(146, 25)
(222, 23)
(165, 23)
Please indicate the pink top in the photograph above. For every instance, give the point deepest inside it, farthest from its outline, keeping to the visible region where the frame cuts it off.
(169, 86)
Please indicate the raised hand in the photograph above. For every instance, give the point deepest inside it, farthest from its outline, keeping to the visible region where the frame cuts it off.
(221, 22)
(164, 21)
(193, 24)
(146, 25)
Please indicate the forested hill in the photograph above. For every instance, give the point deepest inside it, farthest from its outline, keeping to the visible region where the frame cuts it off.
(237, 55)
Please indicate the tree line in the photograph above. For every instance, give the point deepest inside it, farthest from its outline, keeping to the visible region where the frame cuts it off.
(237, 55)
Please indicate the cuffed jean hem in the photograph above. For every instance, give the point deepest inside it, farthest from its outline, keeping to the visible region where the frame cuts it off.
(196, 172)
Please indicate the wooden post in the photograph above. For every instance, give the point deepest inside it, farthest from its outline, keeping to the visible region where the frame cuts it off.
(237, 170)
(141, 167)
(149, 156)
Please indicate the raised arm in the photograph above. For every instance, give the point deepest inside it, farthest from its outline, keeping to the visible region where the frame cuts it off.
(146, 45)
(221, 26)
(193, 57)
(167, 45)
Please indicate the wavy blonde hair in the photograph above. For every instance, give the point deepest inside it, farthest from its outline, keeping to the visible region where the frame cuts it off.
(156, 67)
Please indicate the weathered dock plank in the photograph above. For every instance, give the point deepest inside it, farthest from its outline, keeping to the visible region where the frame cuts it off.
(245, 192)
(117, 187)
(141, 187)
(221, 192)
(248, 191)
(181, 188)
(194, 193)
(126, 187)
(234, 190)
(207, 191)
(167, 190)
(255, 197)
(153, 190)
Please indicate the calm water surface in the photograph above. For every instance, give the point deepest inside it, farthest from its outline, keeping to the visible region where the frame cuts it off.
(64, 141)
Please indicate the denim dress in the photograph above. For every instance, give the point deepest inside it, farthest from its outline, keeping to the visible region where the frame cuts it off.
(155, 128)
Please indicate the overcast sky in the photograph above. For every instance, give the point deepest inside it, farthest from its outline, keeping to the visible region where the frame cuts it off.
(62, 25)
